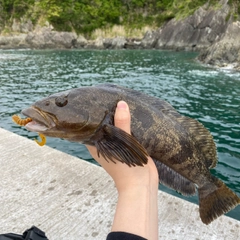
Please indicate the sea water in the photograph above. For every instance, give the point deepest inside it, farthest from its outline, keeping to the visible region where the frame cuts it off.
(209, 95)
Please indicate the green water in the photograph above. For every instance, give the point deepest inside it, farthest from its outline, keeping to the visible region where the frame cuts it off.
(209, 95)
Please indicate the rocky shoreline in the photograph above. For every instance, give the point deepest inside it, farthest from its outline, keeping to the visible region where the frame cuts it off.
(224, 53)
(206, 31)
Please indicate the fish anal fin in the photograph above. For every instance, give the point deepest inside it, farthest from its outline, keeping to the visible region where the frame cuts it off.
(174, 180)
(115, 144)
(215, 199)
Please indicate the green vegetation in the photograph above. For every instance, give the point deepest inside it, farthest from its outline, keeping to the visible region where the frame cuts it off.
(85, 16)
(182, 9)
(235, 7)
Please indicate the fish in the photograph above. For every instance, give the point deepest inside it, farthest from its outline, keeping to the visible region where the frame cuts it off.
(182, 149)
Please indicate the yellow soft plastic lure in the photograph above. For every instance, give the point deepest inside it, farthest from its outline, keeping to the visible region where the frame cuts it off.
(43, 138)
(19, 121)
(22, 122)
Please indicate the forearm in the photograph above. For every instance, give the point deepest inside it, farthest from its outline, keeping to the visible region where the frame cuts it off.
(137, 210)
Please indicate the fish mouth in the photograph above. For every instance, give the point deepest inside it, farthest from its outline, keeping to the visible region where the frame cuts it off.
(41, 121)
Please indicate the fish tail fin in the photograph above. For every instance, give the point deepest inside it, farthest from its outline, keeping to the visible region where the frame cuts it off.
(215, 199)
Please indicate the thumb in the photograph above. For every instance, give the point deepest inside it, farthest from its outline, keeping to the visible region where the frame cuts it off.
(122, 117)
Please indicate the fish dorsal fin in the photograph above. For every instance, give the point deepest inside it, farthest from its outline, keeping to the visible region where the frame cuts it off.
(154, 102)
(202, 138)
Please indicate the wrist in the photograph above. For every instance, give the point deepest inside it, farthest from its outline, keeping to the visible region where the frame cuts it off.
(141, 177)
(137, 184)
(137, 208)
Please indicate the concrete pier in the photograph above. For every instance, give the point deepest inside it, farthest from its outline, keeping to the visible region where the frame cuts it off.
(70, 199)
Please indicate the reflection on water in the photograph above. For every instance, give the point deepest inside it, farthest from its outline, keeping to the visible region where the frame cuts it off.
(209, 95)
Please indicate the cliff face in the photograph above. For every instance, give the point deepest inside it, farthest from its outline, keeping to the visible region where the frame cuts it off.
(196, 32)
(226, 51)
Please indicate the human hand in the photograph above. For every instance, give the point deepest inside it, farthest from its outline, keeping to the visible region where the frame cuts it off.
(137, 209)
(123, 175)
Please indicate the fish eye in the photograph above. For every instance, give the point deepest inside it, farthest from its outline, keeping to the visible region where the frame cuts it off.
(61, 101)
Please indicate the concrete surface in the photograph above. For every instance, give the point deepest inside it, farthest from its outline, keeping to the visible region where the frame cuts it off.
(72, 199)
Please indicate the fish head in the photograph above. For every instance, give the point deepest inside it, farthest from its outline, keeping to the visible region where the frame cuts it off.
(63, 115)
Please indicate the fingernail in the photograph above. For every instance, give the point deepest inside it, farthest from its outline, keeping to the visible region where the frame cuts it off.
(122, 105)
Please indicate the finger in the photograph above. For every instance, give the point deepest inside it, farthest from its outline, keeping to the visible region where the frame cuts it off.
(121, 120)
(122, 117)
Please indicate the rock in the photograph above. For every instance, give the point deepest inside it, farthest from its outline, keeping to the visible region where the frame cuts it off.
(118, 42)
(80, 42)
(193, 33)
(226, 51)
(13, 42)
(133, 43)
(64, 39)
(150, 39)
(106, 43)
(46, 38)
(114, 43)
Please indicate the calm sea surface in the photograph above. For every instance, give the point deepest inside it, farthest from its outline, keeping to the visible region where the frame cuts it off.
(208, 95)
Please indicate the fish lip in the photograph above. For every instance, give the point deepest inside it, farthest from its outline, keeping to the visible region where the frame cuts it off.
(40, 118)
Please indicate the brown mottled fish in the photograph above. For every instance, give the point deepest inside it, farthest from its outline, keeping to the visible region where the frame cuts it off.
(182, 149)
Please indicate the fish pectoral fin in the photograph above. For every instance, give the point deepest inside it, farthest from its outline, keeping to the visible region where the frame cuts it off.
(115, 144)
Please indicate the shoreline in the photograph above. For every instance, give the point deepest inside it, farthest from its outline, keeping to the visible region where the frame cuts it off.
(206, 31)
(72, 42)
